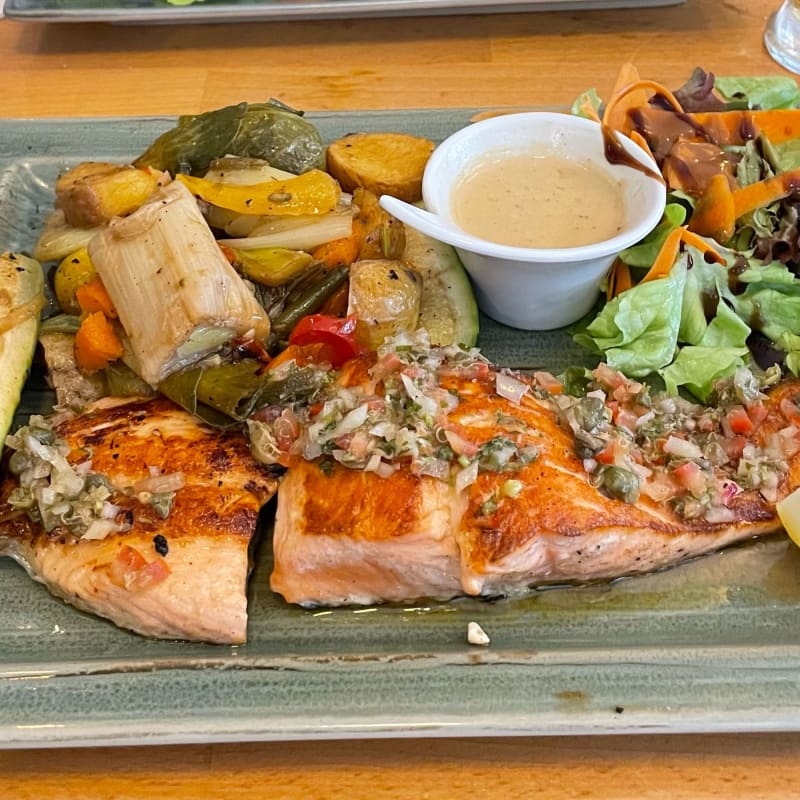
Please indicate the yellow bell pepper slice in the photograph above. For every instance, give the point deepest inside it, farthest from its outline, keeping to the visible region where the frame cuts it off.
(313, 192)
(272, 266)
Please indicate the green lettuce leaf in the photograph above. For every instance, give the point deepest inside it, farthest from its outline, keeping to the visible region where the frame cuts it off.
(716, 346)
(790, 344)
(726, 330)
(704, 295)
(780, 157)
(697, 368)
(637, 331)
(587, 104)
(643, 253)
(752, 166)
(684, 327)
(780, 91)
(770, 310)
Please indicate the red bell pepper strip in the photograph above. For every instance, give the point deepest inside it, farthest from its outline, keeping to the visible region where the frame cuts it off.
(338, 334)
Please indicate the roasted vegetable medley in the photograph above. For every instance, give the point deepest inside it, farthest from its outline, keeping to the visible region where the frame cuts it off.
(235, 243)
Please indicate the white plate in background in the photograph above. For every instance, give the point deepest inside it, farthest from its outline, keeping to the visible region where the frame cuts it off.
(160, 11)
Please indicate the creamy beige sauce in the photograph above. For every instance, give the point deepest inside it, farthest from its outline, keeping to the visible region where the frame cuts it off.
(538, 200)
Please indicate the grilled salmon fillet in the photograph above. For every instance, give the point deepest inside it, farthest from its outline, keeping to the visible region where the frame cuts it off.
(561, 528)
(353, 537)
(179, 576)
(348, 537)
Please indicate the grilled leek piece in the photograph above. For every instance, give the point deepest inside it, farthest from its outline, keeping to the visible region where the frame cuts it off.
(21, 301)
(59, 239)
(177, 297)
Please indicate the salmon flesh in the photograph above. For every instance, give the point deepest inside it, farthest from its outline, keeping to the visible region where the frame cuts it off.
(179, 572)
(345, 536)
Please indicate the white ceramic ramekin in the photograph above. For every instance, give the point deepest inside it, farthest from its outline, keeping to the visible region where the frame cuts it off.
(534, 288)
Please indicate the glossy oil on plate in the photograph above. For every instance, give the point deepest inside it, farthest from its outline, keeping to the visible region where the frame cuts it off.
(713, 645)
(163, 11)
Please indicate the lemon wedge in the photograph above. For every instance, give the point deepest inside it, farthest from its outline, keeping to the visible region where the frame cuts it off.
(789, 514)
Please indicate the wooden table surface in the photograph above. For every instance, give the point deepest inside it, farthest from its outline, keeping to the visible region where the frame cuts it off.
(483, 60)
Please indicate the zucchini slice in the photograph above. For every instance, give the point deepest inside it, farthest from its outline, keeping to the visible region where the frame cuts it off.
(21, 302)
(448, 310)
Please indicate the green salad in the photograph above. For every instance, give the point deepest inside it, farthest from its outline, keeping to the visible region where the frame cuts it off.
(729, 150)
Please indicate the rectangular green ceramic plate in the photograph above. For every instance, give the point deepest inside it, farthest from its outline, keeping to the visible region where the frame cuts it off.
(713, 645)
(161, 11)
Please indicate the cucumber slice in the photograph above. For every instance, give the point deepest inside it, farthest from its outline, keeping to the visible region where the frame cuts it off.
(448, 310)
(21, 301)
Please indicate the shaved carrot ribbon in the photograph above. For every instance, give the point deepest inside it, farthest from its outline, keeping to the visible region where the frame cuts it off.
(719, 207)
(619, 278)
(617, 115)
(666, 256)
(757, 195)
(670, 249)
(637, 138)
(702, 245)
(715, 212)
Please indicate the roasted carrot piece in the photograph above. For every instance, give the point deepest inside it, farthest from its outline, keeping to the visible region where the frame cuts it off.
(92, 296)
(342, 252)
(96, 343)
(715, 214)
(302, 354)
(338, 252)
(229, 253)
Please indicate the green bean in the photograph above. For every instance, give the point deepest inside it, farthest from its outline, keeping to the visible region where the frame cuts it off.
(61, 323)
(306, 299)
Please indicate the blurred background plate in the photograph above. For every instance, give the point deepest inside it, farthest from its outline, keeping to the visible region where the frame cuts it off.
(160, 11)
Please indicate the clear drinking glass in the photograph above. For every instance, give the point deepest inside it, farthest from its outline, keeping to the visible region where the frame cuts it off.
(782, 35)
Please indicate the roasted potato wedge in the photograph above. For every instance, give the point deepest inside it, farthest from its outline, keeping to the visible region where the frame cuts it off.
(94, 192)
(385, 296)
(384, 163)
